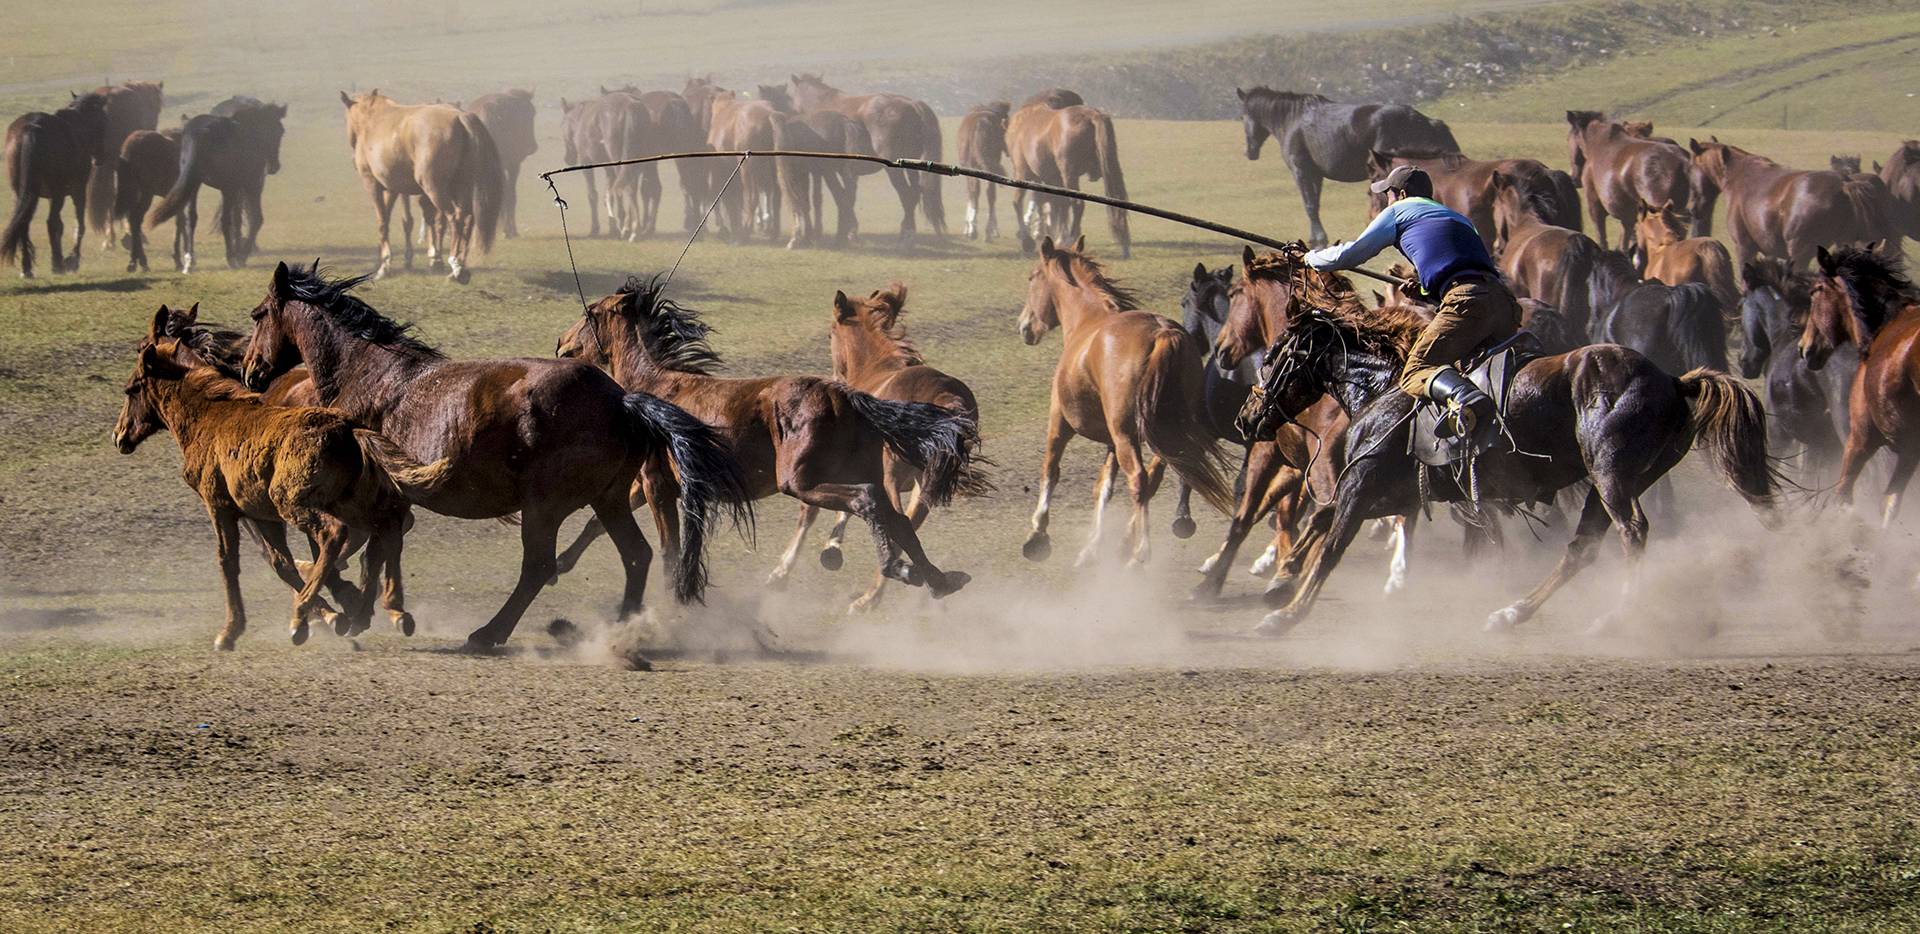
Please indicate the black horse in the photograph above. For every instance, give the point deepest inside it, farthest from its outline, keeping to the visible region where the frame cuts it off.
(51, 156)
(1807, 407)
(1202, 311)
(1602, 413)
(232, 150)
(1678, 327)
(1322, 139)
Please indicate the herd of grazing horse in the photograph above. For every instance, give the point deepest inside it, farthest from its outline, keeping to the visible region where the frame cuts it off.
(1287, 370)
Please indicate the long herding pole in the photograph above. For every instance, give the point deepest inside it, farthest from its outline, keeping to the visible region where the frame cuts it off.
(942, 168)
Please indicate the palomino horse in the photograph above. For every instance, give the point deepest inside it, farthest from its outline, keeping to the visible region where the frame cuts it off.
(131, 107)
(1676, 259)
(1621, 171)
(1127, 379)
(1785, 213)
(1540, 259)
(901, 128)
(250, 460)
(1902, 177)
(1862, 297)
(871, 353)
(529, 435)
(983, 144)
(1056, 146)
(429, 150)
(1323, 140)
(233, 155)
(508, 117)
(816, 440)
(149, 166)
(1647, 423)
(49, 156)
(1466, 185)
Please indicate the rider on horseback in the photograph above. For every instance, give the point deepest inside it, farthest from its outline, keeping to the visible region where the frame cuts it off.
(1454, 269)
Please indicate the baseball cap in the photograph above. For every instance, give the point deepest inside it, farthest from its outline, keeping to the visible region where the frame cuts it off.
(1397, 179)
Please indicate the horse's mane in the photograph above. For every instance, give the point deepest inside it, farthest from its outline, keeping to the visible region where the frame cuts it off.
(1613, 276)
(674, 337)
(334, 298)
(1388, 332)
(1775, 274)
(1694, 325)
(216, 347)
(1543, 203)
(1086, 270)
(894, 299)
(1908, 154)
(217, 385)
(1000, 109)
(1877, 286)
(1273, 106)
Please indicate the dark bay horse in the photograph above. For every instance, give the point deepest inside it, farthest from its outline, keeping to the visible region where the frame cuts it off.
(1861, 297)
(1542, 260)
(1059, 146)
(1621, 171)
(1901, 173)
(821, 442)
(983, 144)
(1127, 379)
(534, 436)
(1646, 422)
(1466, 185)
(51, 156)
(1678, 327)
(253, 461)
(1321, 139)
(233, 155)
(149, 165)
(901, 128)
(1786, 213)
(131, 106)
(1806, 408)
(508, 117)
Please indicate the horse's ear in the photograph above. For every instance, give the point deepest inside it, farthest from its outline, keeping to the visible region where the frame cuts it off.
(843, 306)
(1825, 259)
(1080, 244)
(1876, 167)
(279, 111)
(158, 329)
(1694, 145)
(1379, 298)
(793, 78)
(1199, 272)
(1246, 256)
(280, 276)
(603, 90)
(1713, 138)
(1666, 206)
(345, 99)
(192, 316)
(1879, 248)
(1047, 248)
(1240, 94)
(1498, 180)
(1573, 118)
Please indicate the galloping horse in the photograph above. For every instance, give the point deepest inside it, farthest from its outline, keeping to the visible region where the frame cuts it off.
(871, 353)
(1128, 379)
(1541, 260)
(1058, 145)
(131, 107)
(508, 117)
(1602, 413)
(1321, 139)
(983, 143)
(901, 128)
(819, 441)
(429, 150)
(534, 436)
(1676, 259)
(251, 460)
(1862, 298)
(1621, 171)
(49, 156)
(1466, 185)
(1785, 213)
(232, 154)
(1805, 408)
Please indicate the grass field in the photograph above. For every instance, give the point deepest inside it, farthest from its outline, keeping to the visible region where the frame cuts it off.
(1048, 749)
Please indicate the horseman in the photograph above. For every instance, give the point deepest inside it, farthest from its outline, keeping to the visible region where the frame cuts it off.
(1453, 268)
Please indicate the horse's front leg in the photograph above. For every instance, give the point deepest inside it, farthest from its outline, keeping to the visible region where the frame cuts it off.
(539, 532)
(1038, 546)
(1343, 525)
(226, 530)
(1401, 538)
(383, 210)
(778, 579)
(1580, 553)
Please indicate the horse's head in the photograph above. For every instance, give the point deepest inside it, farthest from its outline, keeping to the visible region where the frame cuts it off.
(1292, 376)
(637, 326)
(1853, 291)
(1770, 305)
(862, 322)
(1711, 158)
(777, 95)
(1577, 123)
(1845, 165)
(811, 91)
(271, 347)
(139, 416)
(263, 128)
(1203, 309)
(1255, 127)
(1661, 225)
(1260, 304)
(1054, 271)
(359, 110)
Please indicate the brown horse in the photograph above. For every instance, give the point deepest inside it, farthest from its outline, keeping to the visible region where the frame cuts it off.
(983, 144)
(232, 151)
(1465, 185)
(1901, 173)
(1787, 214)
(431, 150)
(149, 165)
(1056, 146)
(132, 106)
(250, 460)
(50, 156)
(816, 440)
(752, 202)
(1055, 97)
(1621, 171)
(871, 353)
(1539, 259)
(508, 117)
(1127, 379)
(535, 436)
(1675, 258)
(901, 128)
(1861, 297)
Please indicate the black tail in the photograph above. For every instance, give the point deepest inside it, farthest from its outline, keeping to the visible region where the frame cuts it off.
(16, 244)
(710, 480)
(1567, 194)
(943, 443)
(193, 156)
(1695, 328)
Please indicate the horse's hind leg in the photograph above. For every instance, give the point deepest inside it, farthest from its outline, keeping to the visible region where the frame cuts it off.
(1284, 585)
(79, 228)
(1594, 522)
(1903, 467)
(909, 194)
(1103, 492)
(1397, 566)
(636, 556)
(331, 536)
(973, 207)
(594, 528)
(993, 219)
(808, 514)
(55, 229)
(382, 557)
(226, 530)
(406, 231)
(892, 533)
(1340, 530)
(649, 199)
(1267, 480)
(539, 532)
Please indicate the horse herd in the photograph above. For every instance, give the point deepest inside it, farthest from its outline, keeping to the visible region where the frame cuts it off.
(1289, 365)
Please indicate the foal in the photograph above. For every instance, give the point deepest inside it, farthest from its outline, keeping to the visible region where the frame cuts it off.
(251, 460)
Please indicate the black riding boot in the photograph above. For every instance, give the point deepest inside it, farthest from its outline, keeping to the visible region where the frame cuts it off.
(1472, 409)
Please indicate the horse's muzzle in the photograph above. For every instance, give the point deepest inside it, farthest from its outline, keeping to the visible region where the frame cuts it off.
(255, 377)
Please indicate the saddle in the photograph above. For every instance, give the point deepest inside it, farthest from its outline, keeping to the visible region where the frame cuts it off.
(1492, 368)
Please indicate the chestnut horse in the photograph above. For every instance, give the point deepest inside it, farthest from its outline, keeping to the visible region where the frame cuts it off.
(1465, 185)
(871, 353)
(901, 128)
(1621, 171)
(131, 107)
(1785, 213)
(49, 156)
(534, 436)
(508, 117)
(821, 442)
(805, 182)
(274, 465)
(1128, 379)
(430, 150)
(1539, 259)
(149, 165)
(1862, 298)
(1602, 414)
(1676, 259)
(983, 144)
(1056, 146)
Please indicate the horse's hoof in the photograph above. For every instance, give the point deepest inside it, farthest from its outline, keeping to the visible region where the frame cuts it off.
(776, 581)
(1184, 527)
(1037, 548)
(864, 604)
(1207, 566)
(831, 558)
(1504, 619)
(950, 583)
(460, 276)
(1275, 624)
(1087, 557)
(300, 633)
(1394, 586)
(478, 646)
(1204, 592)
(1280, 592)
(341, 623)
(403, 621)
(222, 644)
(1263, 565)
